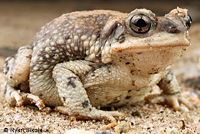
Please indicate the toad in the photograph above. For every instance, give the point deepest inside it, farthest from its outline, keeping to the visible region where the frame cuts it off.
(84, 61)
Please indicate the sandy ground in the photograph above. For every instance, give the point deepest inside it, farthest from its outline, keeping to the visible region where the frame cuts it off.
(143, 117)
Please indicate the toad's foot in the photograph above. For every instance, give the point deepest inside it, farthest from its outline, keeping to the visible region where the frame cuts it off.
(171, 93)
(172, 100)
(12, 96)
(15, 97)
(94, 114)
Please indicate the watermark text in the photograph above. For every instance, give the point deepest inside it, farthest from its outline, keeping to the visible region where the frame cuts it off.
(22, 130)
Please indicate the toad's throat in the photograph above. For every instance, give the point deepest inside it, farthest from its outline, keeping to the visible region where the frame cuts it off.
(150, 61)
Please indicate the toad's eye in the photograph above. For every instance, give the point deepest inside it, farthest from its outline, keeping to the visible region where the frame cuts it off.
(188, 21)
(140, 23)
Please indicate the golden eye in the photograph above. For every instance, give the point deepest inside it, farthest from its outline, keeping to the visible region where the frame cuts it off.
(140, 23)
(188, 21)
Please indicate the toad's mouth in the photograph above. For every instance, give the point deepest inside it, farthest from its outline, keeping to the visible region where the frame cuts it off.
(156, 41)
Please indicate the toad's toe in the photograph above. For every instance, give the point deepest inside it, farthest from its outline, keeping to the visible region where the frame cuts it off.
(174, 100)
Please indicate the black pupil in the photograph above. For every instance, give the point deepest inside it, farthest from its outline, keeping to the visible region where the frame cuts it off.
(140, 23)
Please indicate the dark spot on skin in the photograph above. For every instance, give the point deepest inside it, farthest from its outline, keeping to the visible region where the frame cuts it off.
(85, 104)
(40, 95)
(90, 109)
(132, 72)
(128, 97)
(71, 82)
(133, 83)
(154, 71)
(29, 57)
(139, 53)
(108, 69)
(10, 77)
(5, 90)
(129, 91)
(127, 63)
(137, 89)
(64, 98)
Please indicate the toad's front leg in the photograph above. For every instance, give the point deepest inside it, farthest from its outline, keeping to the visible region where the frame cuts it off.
(73, 95)
(171, 93)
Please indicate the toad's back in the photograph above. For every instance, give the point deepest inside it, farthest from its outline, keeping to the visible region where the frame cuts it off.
(72, 36)
(77, 34)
